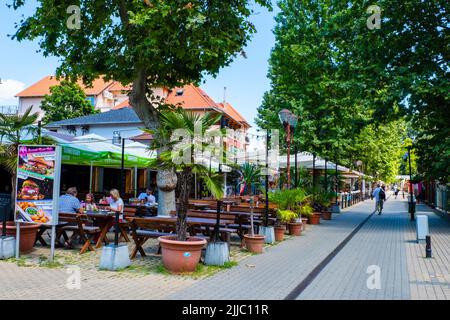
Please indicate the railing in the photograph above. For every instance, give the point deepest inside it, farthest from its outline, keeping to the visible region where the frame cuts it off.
(11, 109)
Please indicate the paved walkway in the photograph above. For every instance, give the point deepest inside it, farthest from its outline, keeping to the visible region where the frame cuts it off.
(388, 242)
(276, 273)
(385, 241)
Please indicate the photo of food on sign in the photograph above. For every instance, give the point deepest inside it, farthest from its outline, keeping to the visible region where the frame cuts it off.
(36, 211)
(33, 189)
(38, 164)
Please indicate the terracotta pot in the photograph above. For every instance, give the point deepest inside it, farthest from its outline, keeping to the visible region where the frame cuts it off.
(279, 233)
(314, 218)
(181, 256)
(295, 228)
(28, 234)
(326, 215)
(254, 243)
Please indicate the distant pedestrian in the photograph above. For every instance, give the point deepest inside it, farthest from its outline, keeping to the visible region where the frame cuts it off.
(396, 191)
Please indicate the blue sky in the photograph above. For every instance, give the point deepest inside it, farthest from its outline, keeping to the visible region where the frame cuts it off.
(245, 79)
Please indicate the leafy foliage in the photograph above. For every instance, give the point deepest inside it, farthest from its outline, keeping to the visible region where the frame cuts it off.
(250, 176)
(144, 43)
(350, 86)
(180, 127)
(65, 101)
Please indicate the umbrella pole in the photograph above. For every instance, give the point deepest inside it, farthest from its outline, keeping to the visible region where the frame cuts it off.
(90, 178)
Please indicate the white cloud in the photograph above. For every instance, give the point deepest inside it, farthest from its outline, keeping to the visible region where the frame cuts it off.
(8, 89)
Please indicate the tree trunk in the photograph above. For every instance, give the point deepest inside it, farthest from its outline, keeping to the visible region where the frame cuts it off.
(166, 181)
(13, 194)
(185, 189)
(147, 112)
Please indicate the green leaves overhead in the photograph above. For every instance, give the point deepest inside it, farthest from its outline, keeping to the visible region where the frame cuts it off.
(344, 80)
(66, 101)
(175, 41)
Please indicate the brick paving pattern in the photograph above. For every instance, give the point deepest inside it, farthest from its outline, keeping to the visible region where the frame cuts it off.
(387, 241)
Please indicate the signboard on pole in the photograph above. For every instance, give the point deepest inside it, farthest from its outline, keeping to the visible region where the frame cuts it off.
(37, 184)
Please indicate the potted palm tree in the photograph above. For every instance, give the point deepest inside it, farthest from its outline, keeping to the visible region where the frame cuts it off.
(181, 253)
(13, 129)
(251, 176)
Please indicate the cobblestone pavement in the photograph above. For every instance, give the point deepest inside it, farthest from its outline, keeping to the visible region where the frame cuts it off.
(389, 242)
(33, 277)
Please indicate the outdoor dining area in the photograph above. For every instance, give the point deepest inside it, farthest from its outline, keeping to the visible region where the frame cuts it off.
(88, 230)
(239, 207)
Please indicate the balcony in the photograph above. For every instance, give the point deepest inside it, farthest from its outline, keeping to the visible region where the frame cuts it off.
(9, 110)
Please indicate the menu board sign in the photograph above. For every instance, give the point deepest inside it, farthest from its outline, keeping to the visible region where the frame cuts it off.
(37, 187)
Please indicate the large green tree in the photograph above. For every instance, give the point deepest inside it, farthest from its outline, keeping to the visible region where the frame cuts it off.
(340, 76)
(65, 101)
(148, 44)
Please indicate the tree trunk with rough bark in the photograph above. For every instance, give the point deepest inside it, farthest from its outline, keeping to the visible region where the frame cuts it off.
(146, 111)
(185, 189)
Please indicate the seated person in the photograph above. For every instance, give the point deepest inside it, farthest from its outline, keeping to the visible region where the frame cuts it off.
(116, 203)
(147, 197)
(89, 203)
(68, 203)
(105, 200)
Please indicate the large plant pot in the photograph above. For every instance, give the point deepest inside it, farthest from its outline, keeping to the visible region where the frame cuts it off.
(326, 215)
(314, 218)
(295, 229)
(28, 234)
(279, 233)
(181, 256)
(254, 243)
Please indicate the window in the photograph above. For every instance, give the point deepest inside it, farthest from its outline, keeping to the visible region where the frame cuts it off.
(91, 99)
(179, 92)
(84, 130)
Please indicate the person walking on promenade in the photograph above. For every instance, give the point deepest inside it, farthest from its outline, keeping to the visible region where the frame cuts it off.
(380, 195)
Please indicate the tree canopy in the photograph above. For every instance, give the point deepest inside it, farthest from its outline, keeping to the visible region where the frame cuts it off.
(65, 101)
(146, 43)
(343, 79)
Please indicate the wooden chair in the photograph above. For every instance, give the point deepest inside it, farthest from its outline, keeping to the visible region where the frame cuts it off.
(82, 228)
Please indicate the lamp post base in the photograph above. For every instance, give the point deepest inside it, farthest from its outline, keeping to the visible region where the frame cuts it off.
(217, 254)
(115, 257)
(7, 247)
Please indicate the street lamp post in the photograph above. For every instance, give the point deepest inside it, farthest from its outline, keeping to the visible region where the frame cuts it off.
(267, 179)
(412, 208)
(289, 120)
(118, 140)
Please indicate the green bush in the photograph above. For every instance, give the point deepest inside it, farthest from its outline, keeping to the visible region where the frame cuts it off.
(285, 216)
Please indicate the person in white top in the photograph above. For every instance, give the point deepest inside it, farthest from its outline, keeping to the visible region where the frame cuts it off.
(116, 203)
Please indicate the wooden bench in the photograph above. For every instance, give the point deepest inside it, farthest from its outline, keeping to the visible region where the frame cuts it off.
(208, 230)
(143, 229)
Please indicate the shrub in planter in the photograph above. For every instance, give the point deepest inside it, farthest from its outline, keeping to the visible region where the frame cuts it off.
(288, 217)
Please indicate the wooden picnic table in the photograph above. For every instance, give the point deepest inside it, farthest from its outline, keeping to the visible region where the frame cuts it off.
(105, 221)
(201, 205)
(191, 220)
